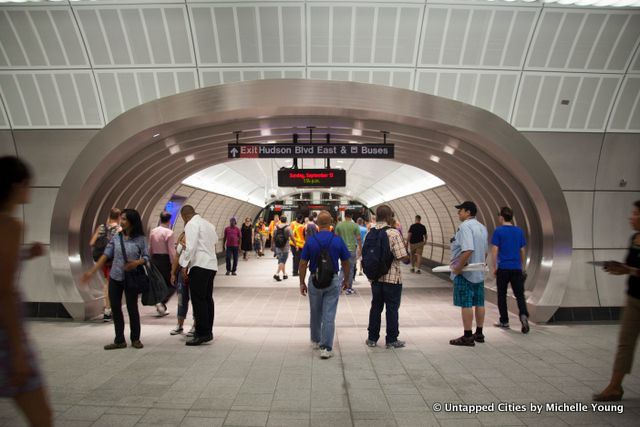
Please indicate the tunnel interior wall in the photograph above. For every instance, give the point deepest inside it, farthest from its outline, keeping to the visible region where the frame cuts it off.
(588, 166)
(215, 208)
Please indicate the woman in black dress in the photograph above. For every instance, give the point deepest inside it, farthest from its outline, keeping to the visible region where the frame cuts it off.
(247, 238)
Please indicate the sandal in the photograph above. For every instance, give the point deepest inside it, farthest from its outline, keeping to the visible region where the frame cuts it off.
(608, 397)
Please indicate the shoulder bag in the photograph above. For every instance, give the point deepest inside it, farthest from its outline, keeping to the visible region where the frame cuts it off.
(136, 279)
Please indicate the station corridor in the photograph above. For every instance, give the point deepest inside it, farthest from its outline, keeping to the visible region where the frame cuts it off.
(260, 369)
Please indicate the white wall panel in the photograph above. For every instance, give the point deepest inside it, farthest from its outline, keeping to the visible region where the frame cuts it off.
(578, 40)
(134, 36)
(51, 99)
(38, 213)
(36, 280)
(581, 290)
(463, 36)
(4, 120)
(51, 153)
(249, 33)
(611, 229)
(635, 63)
(492, 91)
(122, 90)
(357, 34)
(611, 289)
(216, 76)
(626, 112)
(619, 161)
(40, 37)
(541, 95)
(401, 78)
(563, 152)
(580, 204)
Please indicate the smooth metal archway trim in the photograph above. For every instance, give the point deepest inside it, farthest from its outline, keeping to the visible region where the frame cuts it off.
(126, 165)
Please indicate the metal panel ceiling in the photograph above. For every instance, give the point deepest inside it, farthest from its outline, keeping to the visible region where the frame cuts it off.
(517, 59)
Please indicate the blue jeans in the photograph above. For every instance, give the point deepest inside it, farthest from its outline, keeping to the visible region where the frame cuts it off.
(384, 294)
(232, 252)
(183, 297)
(323, 304)
(352, 268)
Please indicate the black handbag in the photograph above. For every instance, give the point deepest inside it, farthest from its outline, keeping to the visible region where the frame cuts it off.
(157, 290)
(137, 279)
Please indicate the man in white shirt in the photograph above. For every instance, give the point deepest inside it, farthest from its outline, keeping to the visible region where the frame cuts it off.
(200, 256)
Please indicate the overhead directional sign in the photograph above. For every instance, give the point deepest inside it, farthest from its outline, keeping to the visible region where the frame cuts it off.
(311, 151)
(312, 178)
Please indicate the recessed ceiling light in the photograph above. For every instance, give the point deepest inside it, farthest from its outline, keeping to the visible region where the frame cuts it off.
(265, 132)
(434, 158)
(449, 150)
(156, 135)
(189, 158)
(356, 132)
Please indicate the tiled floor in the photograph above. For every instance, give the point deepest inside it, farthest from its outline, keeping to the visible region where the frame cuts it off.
(261, 371)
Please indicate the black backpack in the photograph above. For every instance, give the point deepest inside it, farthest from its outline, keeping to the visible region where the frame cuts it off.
(323, 276)
(376, 254)
(280, 237)
(103, 239)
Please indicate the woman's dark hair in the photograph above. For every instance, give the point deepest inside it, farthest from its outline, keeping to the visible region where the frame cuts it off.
(133, 217)
(12, 171)
(637, 204)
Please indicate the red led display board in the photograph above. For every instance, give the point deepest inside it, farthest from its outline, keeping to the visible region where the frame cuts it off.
(312, 178)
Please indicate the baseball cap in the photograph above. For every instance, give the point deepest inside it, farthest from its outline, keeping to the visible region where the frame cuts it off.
(468, 206)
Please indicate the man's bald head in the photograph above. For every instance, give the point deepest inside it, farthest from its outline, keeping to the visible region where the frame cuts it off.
(187, 212)
(324, 220)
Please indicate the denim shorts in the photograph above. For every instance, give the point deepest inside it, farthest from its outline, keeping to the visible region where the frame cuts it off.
(282, 256)
(467, 294)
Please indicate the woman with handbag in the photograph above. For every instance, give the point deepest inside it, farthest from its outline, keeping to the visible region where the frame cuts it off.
(129, 253)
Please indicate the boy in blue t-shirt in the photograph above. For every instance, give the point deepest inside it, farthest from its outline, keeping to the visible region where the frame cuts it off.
(508, 244)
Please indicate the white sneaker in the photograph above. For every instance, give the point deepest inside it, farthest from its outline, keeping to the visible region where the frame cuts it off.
(315, 345)
(192, 331)
(176, 331)
(160, 309)
(326, 354)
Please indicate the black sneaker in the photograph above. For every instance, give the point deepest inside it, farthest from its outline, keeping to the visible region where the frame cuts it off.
(525, 323)
(464, 341)
(285, 277)
(396, 344)
(478, 337)
(107, 318)
(278, 279)
(233, 273)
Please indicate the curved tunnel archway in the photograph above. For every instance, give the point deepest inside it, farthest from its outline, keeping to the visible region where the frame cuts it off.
(142, 154)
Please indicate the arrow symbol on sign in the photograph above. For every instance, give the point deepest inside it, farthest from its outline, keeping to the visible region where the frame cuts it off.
(234, 152)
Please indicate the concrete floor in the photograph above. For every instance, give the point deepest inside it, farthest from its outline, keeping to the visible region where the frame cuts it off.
(261, 371)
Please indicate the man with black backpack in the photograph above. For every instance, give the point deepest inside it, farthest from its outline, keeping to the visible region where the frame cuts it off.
(382, 252)
(99, 241)
(321, 253)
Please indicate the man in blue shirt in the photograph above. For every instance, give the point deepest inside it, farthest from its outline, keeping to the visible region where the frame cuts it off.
(323, 303)
(507, 248)
(469, 246)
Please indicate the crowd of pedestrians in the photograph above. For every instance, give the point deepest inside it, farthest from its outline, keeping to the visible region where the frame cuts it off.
(188, 266)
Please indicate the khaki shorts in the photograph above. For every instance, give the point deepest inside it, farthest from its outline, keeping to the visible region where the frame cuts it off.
(416, 248)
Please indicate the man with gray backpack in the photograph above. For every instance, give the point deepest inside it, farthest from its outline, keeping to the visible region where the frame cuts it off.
(321, 253)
